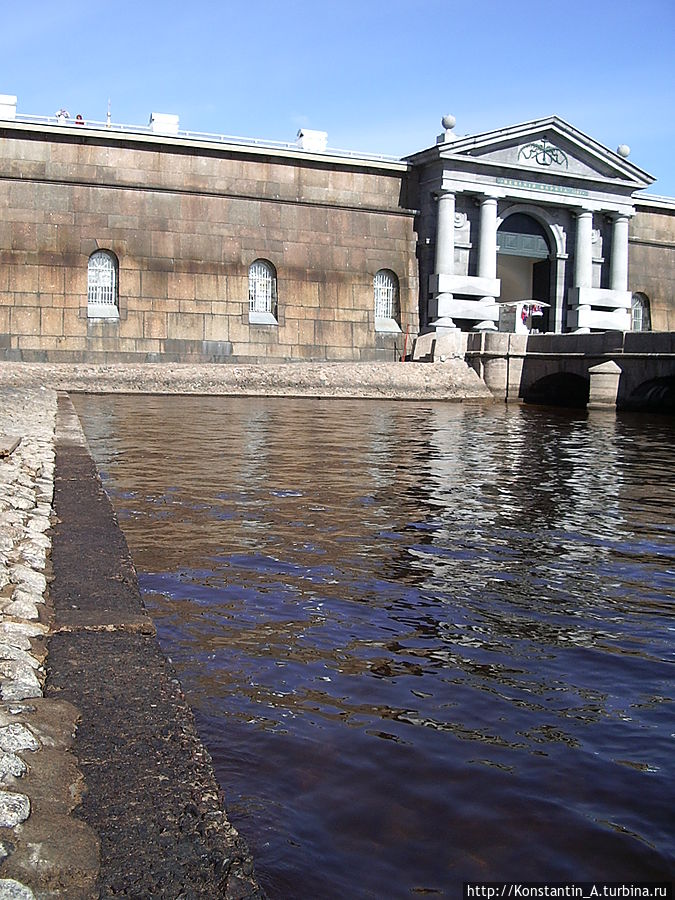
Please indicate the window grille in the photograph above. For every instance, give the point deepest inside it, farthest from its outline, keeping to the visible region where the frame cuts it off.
(386, 295)
(102, 292)
(641, 320)
(262, 288)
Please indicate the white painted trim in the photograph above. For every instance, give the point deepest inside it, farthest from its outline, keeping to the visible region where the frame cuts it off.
(105, 312)
(261, 318)
(387, 326)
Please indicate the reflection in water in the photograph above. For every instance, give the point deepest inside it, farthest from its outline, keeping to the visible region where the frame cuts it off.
(424, 643)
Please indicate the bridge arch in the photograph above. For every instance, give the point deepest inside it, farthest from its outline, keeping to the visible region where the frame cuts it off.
(653, 395)
(559, 389)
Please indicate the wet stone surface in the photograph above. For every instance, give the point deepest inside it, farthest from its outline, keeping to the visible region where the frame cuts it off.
(152, 797)
(105, 788)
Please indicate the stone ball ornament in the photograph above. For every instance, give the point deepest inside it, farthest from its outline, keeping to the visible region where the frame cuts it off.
(448, 122)
(623, 150)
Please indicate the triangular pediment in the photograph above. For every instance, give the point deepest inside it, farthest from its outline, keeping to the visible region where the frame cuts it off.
(546, 147)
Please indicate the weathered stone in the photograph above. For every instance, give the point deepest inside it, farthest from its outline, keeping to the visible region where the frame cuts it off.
(27, 595)
(10, 519)
(9, 630)
(14, 890)
(21, 609)
(33, 556)
(38, 524)
(11, 766)
(14, 809)
(25, 576)
(7, 651)
(16, 737)
(22, 502)
(14, 640)
(38, 541)
(18, 682)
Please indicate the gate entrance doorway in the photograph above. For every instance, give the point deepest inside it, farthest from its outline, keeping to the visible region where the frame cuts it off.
(524, 268)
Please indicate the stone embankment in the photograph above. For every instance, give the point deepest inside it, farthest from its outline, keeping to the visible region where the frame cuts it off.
(451, 380)
(39, 783)
(46, 850)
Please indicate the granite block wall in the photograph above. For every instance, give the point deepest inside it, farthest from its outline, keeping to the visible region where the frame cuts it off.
(186, 219)
(651, 269)
(185, 223)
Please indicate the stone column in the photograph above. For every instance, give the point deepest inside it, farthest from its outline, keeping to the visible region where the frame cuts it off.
(618, 260)
(445, 234)
(487, 247)
(445, 254)
(583, 263)
(487, 252)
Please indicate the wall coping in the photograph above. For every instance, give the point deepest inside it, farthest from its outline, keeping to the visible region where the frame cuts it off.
(228, 144)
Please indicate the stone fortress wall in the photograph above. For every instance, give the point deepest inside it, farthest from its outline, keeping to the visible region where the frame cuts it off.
(185, 223)
(185, 219)
(651, 255)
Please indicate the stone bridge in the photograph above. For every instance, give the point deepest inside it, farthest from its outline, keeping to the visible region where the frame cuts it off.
(623, 370)
(626, 370)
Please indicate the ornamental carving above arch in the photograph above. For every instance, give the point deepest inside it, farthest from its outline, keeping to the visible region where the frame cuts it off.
(543, 153)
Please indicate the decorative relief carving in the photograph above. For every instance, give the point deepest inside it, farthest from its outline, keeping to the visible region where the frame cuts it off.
(543, 153)
(460, 219)
(595, 235)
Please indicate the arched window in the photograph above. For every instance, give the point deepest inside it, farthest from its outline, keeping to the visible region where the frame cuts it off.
(386, 297)
(102, 286)
(639, 307)
(262, 293)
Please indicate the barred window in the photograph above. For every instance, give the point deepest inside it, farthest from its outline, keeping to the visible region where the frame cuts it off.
(386, 296)
(102, 286)
(641, 319)
(262, 293)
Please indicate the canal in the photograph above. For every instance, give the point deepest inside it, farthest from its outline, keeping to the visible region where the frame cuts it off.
(424, 643)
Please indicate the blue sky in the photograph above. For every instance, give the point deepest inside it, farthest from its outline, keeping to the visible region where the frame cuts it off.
(377, 76)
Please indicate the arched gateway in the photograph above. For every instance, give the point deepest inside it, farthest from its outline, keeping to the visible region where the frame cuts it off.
(524, 270)
(538, 211)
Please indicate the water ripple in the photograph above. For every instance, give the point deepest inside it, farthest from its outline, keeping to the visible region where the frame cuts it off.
(424, 643)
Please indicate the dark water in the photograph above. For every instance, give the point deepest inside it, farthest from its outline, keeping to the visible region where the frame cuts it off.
(424, 643)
